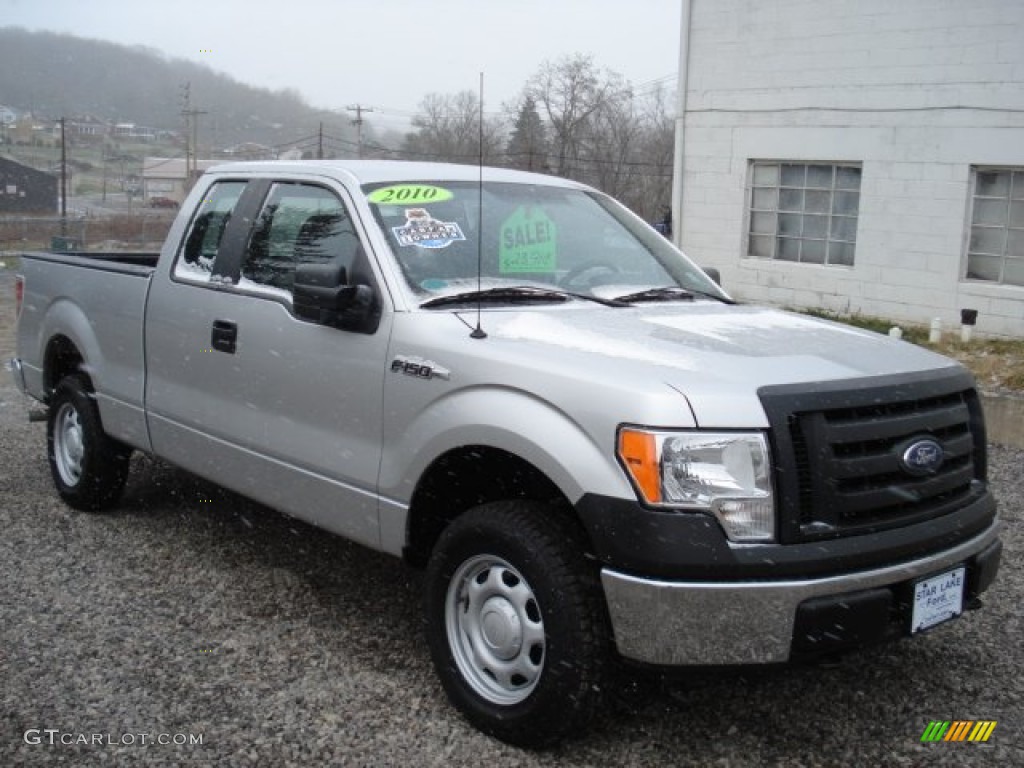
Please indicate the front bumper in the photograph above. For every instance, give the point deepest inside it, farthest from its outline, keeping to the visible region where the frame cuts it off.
(672, 623)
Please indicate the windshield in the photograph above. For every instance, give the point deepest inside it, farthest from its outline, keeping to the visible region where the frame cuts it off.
(533, 235)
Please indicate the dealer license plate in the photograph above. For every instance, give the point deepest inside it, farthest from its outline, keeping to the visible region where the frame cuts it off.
(938, 599)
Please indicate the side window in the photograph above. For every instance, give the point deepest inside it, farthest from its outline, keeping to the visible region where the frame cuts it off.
(299, 224)
(202, 243)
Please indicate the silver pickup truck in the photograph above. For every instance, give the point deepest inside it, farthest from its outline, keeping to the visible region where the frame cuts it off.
(512, 381)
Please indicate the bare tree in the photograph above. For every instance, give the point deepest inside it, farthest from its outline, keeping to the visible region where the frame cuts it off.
(657, 153)
(612, 146)
(629, 149)
(572, 120)
(570, 91)
(447, 128)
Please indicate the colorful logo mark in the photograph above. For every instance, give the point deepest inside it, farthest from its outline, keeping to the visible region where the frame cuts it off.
(424, 230)
(958, 730)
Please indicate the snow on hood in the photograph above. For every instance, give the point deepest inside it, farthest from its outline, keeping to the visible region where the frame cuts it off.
(714, 354)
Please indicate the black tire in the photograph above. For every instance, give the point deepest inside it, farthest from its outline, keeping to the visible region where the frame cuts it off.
(513, 577)
(89, 468)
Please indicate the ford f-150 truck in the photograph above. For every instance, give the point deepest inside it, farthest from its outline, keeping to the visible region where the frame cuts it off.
(512, 381)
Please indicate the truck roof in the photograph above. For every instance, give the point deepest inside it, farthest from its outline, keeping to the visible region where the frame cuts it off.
(372, 171)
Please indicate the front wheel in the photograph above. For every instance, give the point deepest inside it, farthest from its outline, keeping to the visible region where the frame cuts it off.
(516, 624)
(89, 468)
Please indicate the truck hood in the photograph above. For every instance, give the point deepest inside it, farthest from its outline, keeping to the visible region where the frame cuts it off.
(717, 355)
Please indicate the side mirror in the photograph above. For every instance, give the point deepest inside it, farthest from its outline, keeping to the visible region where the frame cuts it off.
(321, 294)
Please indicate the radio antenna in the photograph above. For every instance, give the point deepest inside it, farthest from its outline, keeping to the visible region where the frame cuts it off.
(478, 332)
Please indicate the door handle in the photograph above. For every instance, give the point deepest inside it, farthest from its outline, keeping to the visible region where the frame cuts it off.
(224, 336)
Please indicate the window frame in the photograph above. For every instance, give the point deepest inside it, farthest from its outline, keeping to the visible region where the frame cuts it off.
(227, 265)
(1014, 172)
(267, 291)
(803, 213)
(235, 227)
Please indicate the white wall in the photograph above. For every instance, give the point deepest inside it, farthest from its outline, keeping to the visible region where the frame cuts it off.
(917, 91)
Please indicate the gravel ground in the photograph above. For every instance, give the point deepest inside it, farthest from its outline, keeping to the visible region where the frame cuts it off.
(192, 611)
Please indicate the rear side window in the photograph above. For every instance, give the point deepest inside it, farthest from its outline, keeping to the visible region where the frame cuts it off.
(203, 241)
(298, 224)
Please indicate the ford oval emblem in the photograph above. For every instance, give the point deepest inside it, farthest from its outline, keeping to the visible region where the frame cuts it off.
(922, 457)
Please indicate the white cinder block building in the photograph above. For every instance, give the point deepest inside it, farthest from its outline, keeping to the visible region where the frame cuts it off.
(863, 157)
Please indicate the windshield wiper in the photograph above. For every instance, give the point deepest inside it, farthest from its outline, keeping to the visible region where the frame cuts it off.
(516, 294)
(513, 294)
(670, 293)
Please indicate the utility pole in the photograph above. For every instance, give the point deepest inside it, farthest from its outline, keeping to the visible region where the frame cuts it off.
(358, 123)
(191, 134)
(63, 180)
(320, 143)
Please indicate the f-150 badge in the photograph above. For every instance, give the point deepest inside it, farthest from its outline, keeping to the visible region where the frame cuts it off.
(419, 368)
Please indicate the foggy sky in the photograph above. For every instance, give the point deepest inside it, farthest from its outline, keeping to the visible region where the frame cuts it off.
(386, 54)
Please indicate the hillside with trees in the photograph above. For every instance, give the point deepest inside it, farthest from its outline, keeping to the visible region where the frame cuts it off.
(53, 75)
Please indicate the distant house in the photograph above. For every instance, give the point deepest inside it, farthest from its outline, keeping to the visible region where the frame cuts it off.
(7, 115)
(250, 150)
(133, 131)
(30, 131)
(84, 129)
(26, 190)
(167, 177)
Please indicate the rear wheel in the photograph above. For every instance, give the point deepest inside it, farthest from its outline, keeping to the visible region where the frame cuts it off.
(516, 624)
(89, 468)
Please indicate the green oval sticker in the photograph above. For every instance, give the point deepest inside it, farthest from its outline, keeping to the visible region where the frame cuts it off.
(409, 194)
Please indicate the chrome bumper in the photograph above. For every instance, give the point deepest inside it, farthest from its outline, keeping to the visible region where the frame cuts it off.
(680, 623)
(18, 374)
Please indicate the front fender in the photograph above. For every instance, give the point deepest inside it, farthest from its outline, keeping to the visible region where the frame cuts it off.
(509, 419)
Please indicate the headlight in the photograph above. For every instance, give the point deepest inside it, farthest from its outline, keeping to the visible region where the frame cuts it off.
(725, 473)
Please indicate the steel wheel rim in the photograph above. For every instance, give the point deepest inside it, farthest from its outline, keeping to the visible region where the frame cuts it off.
(68, 444)
(495, 630)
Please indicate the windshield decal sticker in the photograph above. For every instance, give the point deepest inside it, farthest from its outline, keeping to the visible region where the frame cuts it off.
(424, 230)
(527, 242)
(409, 194)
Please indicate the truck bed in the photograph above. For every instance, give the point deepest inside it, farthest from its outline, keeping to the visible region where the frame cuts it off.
(141, 263)
(96, 302)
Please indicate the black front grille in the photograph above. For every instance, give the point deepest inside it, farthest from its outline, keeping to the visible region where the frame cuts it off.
(838, 448)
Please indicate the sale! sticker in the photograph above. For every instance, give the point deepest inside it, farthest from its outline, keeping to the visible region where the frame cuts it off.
(528, 242)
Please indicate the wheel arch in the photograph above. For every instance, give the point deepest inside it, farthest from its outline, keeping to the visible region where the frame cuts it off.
(466, 477)
(68, 345)
(62, 358)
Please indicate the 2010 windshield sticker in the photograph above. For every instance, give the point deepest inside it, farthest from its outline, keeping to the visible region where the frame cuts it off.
(527, 242)
(409, 194)
(424, 230)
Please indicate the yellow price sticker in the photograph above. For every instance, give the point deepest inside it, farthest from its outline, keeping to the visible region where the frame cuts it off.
(409, 194)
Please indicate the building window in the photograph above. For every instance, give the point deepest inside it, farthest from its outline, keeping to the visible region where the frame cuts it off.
(804, 212)
(995, 251)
